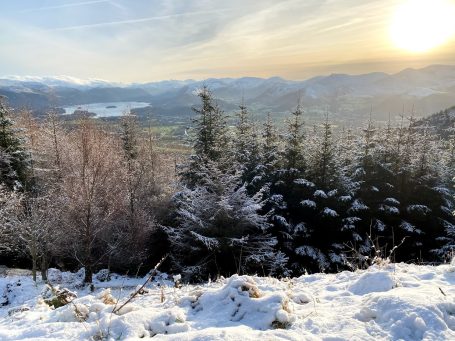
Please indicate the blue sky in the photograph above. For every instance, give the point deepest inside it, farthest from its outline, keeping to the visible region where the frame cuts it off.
(139, 40)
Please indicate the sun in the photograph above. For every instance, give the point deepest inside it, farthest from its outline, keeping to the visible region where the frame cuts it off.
(421, 25)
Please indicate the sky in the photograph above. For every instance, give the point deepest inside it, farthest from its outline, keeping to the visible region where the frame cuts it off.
(149, 40)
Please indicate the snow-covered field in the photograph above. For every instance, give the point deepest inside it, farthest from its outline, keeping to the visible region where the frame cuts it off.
(390, 302)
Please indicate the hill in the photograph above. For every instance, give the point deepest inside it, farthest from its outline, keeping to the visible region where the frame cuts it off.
(349, 98)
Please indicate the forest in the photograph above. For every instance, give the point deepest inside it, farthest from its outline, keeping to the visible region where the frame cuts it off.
(249, 199)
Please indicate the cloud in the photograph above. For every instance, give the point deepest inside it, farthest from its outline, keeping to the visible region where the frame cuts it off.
(145, 40)
(138, 20)
(68, 5)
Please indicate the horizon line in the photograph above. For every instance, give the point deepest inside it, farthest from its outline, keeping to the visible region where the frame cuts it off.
(62, 77)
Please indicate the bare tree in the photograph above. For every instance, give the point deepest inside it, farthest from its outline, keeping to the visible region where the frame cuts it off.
(90, 192)
(34, 231)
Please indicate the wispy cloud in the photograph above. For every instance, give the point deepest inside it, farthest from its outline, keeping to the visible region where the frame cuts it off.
(156, 39)
(139, 20)
(73, 4)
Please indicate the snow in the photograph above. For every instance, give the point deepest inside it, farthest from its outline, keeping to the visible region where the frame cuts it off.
(422, 209)
(63, 80)
(304, 182)
(369, 282)
(329, 212)
(345, 198)
(320, 194)
(384, 302)
(349, 223)
(392, 210)
(407, 226)
(357, 206)
(391, 201)
(308, 203)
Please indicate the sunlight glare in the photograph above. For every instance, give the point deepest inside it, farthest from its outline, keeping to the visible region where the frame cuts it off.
(421, 25)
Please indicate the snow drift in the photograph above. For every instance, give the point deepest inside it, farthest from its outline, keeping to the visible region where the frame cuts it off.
(391, 302)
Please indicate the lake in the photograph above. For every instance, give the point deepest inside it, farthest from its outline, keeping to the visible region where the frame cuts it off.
(106, 109)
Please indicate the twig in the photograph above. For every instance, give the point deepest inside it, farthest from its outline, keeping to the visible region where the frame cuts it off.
(115, 306)
(153, 273)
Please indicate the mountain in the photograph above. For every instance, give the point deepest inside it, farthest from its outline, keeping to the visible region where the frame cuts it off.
(63, 81)
(349, 98)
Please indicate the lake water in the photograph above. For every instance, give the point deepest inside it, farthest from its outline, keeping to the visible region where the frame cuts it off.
(106, 109)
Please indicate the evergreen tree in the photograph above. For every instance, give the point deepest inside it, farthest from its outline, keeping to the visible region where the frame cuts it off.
(373, 212)
(210, 141)
(293, 156)
(218, 227)
(210, 127)
(14, 162)
(246, 147)
(269, 155)
(220, 230)
(427, 216)
(129, 136)
(324, 170)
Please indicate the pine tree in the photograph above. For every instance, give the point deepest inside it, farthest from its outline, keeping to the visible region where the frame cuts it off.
(246, 147)
(14, 162)
(269, 155)
(427, 197)
(325, 170)
(129, 136)
(210, 141)
(373, 210)
(220, 230)
(293, 159)
(210, 127)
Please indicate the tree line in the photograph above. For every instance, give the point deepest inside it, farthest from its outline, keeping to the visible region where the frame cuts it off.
(250, 198)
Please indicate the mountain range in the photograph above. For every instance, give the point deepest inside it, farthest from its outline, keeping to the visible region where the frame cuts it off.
(348, 98)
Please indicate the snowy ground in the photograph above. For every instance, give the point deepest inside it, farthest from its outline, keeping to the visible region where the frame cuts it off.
(396, 301)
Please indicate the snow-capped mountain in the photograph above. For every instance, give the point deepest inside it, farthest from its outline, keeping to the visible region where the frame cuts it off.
(347, 97)
(58, 81)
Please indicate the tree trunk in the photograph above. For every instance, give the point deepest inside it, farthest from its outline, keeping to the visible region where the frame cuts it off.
(34, 267)
(44, 268)
(88, 274)
(88, 262)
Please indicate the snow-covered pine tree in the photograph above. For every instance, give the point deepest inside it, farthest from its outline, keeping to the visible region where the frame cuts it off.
(210, 126)
(301, 210)
(218, 227)
(374, 199)
(266, 170)
(447, 160)
(326, 210)
(14, 161)
(293, 161)
(427, 212)
(210, 139)
(246, 147)
(269, 147)
(220, 230)
(323, 166)
(287, 186)
(10, 208)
